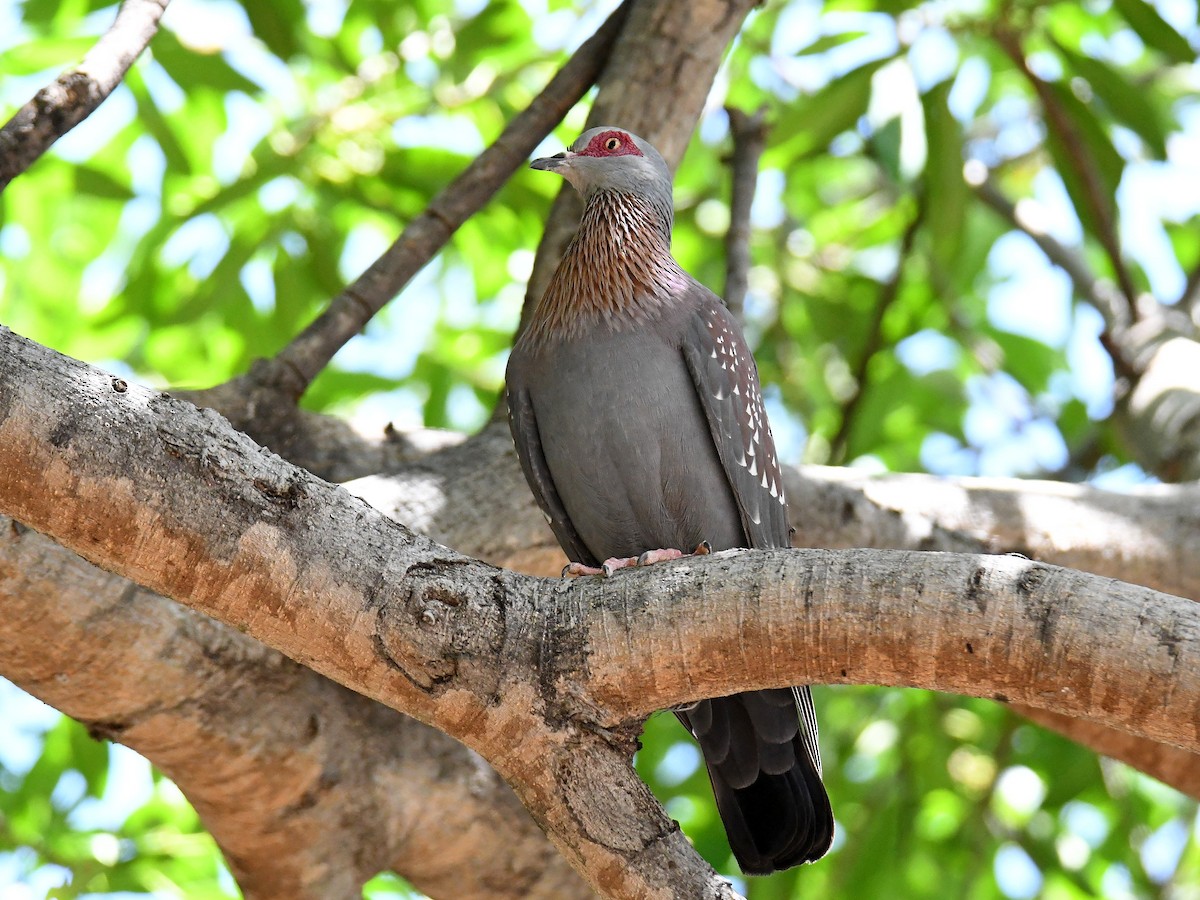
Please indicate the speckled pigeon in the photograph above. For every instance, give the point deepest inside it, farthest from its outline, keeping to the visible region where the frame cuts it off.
(637, 416)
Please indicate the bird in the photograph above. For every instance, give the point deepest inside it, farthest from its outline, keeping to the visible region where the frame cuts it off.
(638, 419)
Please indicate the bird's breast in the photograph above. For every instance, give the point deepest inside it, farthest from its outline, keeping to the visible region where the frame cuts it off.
(628, 445)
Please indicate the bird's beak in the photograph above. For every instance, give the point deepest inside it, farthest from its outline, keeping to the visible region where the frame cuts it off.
(553, 163)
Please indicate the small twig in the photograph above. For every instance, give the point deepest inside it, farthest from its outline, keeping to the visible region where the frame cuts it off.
(1189, 300)
(1102, 294)
(887, 296)
(1058, 121)
(72, 97)
(749, 133)
(294, 368)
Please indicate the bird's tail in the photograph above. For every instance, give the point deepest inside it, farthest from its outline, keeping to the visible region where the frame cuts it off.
(762, 757)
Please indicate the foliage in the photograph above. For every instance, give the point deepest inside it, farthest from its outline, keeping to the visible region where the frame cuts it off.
(57, 833)
(262, 153)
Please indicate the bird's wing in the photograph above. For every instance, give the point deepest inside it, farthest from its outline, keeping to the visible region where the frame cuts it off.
(781, 751)
(528, 441)
(726, 380)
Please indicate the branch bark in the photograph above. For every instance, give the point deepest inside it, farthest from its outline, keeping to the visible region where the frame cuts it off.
(525, 671)
(1158, 406)
(749, 135)
(309, 788)
(75, 94)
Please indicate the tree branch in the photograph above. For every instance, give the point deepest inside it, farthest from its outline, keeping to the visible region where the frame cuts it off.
(1059, 122)
(749, 134)
(1102, 294)
(523, 670)
(294, 367)
(1171, 765)
(1149, 536)
(75, 94)
(1158, 405)
(328, 774)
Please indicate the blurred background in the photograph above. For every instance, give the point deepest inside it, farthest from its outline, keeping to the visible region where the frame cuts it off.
(922, 161)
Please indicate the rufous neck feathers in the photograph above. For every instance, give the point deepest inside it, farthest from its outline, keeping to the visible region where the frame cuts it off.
(617, 272)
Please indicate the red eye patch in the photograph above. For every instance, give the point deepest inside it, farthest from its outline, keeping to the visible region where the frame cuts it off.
(611, 143)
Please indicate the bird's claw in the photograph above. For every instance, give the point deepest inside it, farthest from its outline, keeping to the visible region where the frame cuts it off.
(649, 558)
(613, 563)
(576, 570)
(606, 568)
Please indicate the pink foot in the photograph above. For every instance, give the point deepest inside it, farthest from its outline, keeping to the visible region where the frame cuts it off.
(666, 554)
(610, 565)
(649, 558)
(577, 570)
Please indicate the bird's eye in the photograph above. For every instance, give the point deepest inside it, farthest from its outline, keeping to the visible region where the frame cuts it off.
(612, 143)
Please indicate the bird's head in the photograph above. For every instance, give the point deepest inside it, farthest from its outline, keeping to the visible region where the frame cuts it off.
(608, 159)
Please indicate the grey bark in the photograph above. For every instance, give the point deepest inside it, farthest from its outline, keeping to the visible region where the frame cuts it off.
(74, 95)
(309, 788)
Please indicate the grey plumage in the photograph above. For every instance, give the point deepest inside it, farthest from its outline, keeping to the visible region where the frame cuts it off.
(638, 419)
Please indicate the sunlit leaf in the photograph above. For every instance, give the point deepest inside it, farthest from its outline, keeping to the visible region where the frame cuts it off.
(1126, 102)
(810, 124)
(1154, 30)
(946, 193)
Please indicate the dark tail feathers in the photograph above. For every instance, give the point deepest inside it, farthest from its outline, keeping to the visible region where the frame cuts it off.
(762, 757)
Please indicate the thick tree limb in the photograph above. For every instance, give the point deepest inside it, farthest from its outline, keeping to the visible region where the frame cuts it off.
(75, 94)
(1148, 536)
(331, 608)
(517, 668)
(242, 729)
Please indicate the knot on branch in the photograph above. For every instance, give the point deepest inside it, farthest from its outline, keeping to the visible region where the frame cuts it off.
(439, 633)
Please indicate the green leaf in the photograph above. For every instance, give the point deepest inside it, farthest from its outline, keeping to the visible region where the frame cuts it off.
(1126, 103)
(810, 124)
(156, 123)
(1028, 360)
(334, 386)
(829, 41)
(885, 142)
(63, 16)
(1154, 30)
(98, 183)
(90, 757)
(47, 53)
(946, 193)
(274, 23)
(1085, 158)
(189, 68)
